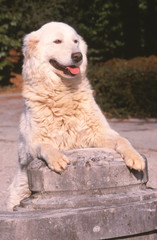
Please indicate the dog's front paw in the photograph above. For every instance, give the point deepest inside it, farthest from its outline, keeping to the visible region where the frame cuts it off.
(58, 162)
(135, 161)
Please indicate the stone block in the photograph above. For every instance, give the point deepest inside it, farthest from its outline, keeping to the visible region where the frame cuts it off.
(89, 170)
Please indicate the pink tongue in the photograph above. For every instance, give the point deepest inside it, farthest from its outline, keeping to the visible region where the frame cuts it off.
(75, 70)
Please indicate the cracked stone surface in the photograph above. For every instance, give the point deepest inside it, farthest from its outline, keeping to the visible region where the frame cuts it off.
(96, 194)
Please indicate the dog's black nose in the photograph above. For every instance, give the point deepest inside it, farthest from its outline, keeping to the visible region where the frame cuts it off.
(76, 57)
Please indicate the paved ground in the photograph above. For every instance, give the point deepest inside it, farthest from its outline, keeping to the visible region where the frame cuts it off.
(142, 134)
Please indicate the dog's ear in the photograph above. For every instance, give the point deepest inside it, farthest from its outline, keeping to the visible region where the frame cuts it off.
(83, 49)
(29, 44)
(83, 45)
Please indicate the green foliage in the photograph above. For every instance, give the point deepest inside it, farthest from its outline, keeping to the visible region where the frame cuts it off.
(126, 88)
(99, 23)
(8, 41)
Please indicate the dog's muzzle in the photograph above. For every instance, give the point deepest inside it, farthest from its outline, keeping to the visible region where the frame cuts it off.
(71, 70)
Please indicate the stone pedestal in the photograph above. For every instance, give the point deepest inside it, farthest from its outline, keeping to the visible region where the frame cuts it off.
(97, 197)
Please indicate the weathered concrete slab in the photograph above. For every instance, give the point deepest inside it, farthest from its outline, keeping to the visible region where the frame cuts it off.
(97, 222)
(98, 197)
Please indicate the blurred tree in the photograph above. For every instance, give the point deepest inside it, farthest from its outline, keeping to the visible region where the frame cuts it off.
(8, 23)
(111, 28)
(131, 27)
(99, 23)
(151, 28)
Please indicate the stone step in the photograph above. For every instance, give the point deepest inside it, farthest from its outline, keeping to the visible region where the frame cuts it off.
(135, 220)
(44, 201)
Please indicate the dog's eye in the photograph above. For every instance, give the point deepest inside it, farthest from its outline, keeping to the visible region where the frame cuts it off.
(57, 41)
(75, 41)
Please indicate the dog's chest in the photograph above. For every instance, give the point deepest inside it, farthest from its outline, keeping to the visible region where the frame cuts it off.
(66, 124)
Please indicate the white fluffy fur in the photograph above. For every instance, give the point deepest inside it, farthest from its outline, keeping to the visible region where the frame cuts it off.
(60, 112)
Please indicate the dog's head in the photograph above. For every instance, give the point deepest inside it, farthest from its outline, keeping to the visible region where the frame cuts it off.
(58, 49)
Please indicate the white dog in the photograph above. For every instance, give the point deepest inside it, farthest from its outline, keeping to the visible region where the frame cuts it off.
(60, 112)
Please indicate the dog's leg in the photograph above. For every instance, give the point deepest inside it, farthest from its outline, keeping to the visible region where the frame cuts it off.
(131, 157)
(121, 145)
(55, 160)
(19, 189)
